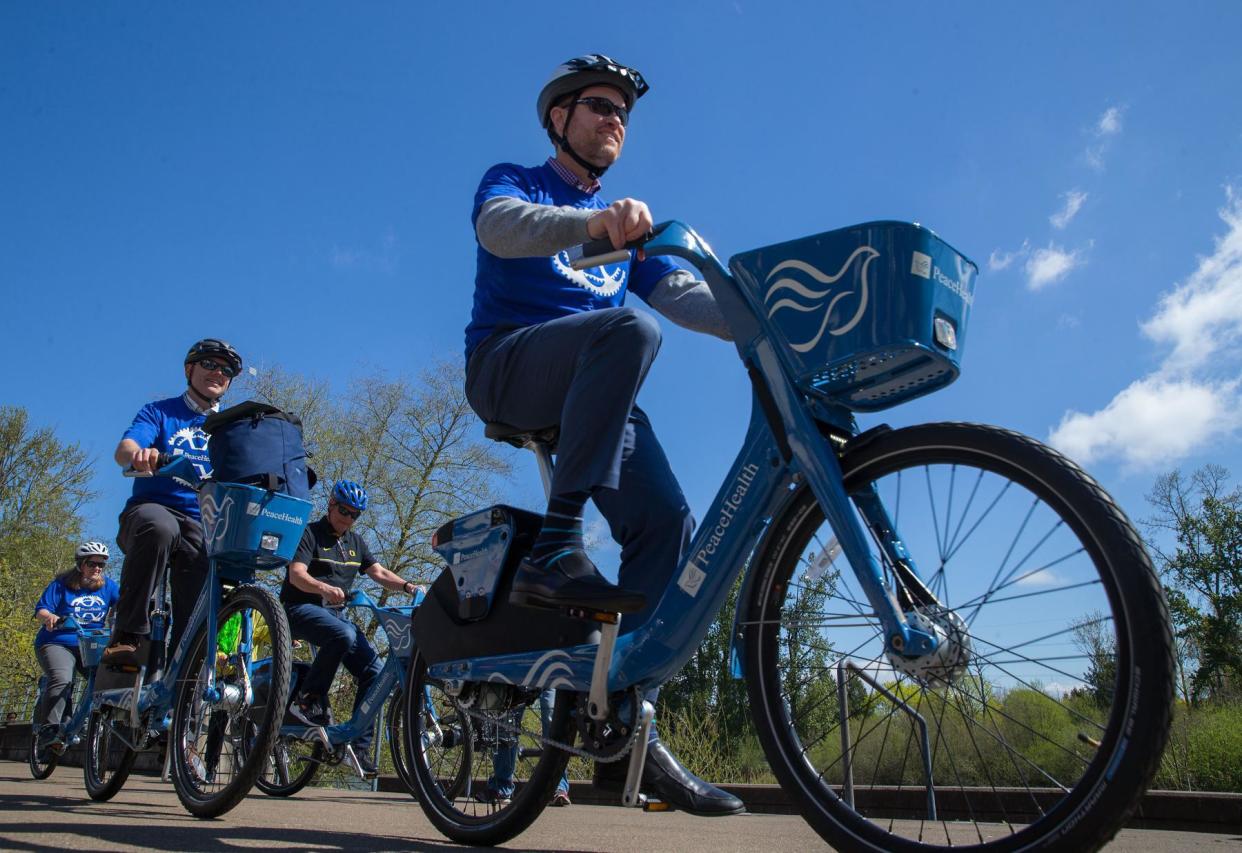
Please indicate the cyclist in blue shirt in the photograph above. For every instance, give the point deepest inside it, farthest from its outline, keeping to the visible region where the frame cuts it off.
(85, 594)
(548, 345)
(160, 523)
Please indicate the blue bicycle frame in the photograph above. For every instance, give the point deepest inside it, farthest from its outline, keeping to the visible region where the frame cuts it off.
(91, 643)
(397, 626)
(155, 698)
(786, 444)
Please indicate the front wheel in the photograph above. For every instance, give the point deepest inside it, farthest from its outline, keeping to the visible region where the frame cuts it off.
(1047, 706)
(475, 771)
(43, 759)
(395, 721)
(220, 740)
(108, 757)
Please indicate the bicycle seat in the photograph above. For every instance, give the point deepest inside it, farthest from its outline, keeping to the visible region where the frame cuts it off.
(519, 437)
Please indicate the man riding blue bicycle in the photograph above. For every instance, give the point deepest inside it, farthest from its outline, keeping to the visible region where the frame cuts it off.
(161, 523)
(330, 557)
(549, 345)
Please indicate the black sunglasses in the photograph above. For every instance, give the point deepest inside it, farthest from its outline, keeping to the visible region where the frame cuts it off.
(210, 365)
(347, 512)
(95, 565)
(606, 108)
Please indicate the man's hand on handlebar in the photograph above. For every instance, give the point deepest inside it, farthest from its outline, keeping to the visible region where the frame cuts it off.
(332, 595)
(146, 460)
(621, 222)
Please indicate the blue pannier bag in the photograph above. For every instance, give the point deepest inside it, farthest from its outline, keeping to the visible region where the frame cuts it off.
(257, 444)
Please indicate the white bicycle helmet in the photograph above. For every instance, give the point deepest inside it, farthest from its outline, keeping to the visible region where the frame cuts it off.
(90, 549)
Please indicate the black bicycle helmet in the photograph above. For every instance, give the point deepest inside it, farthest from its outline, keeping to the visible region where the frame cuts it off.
(214, 348)
(577, 74)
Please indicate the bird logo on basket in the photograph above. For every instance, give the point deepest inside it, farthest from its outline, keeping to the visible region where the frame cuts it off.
(215, 517)
(603, 284)
(832, 312)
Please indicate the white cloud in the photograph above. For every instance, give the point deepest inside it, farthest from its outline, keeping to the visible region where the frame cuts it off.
(1202, 317)
(1109, 123)
(1107, 126)
(383, 257)
(999, 260)
(1073, 203)
(1036, 579)
(1152, 423)
(1049, 265)
(1194, 397)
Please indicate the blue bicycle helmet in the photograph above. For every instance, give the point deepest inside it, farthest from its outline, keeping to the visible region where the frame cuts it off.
(351, 494)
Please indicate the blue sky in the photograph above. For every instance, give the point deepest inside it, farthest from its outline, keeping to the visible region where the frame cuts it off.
(297, 178)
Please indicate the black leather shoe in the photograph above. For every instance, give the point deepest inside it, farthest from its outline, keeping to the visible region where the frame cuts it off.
(571, 581)
(666, 779)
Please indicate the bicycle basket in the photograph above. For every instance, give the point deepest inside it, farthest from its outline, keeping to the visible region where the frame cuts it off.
(868, 316)
(91, 646)
(251, 527)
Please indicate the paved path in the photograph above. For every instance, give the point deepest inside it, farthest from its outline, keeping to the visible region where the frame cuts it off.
(56, 815)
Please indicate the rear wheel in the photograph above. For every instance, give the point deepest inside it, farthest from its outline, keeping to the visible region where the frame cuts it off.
(459, 758)
(108, 757)
(290, 767)
(221, 743)
(1049, 704)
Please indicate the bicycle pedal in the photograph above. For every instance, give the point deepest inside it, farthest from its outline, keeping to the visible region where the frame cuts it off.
(658, 806)
(607, 617)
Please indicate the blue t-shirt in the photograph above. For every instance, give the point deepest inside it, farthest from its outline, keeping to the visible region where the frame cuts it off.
(87, 608)
(172, 427)
(510, 293)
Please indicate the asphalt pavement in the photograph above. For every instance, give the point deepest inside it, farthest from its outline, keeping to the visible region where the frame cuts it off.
(56, 814)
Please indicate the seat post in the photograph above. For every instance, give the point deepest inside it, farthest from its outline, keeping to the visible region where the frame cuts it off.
(543, 456)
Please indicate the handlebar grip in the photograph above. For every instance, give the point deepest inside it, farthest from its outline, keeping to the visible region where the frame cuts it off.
(162, 460)
(594, 253)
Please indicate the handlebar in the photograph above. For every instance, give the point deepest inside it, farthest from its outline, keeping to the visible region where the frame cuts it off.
(178, 468)
(594, 253)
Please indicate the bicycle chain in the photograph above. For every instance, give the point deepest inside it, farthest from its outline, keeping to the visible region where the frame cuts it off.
(572, 750)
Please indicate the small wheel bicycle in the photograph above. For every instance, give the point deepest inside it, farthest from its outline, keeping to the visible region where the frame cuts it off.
(909, 598)
(48, 742)
(301, 750)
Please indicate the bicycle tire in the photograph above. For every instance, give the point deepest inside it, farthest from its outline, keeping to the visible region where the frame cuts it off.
(105, 765)
(268, 780)
(450, 799)
(395, 723)
(42, 761)
(1132, 732)
(200, 732)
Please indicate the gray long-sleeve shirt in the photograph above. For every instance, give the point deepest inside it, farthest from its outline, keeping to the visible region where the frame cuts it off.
(512, 228)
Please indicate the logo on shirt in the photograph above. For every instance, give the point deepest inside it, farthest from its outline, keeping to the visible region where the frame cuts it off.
(597, 280)
(191, 441)
(89, 609)
(821, 305)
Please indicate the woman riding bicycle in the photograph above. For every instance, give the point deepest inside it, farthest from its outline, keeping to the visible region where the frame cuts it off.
(85, 594)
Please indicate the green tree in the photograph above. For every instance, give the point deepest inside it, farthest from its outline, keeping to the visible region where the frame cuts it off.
(1203, 573)
(44, 483)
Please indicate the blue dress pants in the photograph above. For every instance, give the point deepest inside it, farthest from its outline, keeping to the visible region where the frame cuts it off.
(339, 642)
(583, 373)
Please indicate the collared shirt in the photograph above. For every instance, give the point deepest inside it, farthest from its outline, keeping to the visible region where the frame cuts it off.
(193, 405)
(335, 560)
(573, 180)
